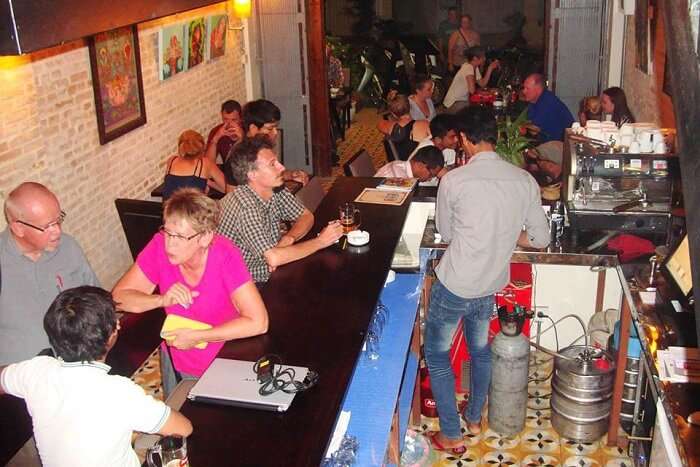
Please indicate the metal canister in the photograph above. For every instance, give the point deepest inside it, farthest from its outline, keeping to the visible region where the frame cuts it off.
(582, 388)
(510, 360)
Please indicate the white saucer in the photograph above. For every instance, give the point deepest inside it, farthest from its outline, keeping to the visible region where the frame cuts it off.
(358, 237)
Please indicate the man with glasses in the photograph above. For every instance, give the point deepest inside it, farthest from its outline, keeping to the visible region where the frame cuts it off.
(251, 214)
(261, 118)
(37, 262)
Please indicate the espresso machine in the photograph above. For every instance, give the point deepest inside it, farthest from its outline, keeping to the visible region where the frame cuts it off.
(613, 191)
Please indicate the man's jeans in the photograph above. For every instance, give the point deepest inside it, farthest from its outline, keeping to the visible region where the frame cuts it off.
(446, 310)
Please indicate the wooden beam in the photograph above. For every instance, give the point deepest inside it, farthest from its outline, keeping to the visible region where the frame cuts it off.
(318, 88)
(685, 89)
(621, 363)
(600, 293)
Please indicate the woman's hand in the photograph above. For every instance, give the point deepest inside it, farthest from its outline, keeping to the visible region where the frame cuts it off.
(179, 294)
(182, 339)
(494, 64)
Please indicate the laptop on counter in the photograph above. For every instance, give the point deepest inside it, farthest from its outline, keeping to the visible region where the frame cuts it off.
(233, 382)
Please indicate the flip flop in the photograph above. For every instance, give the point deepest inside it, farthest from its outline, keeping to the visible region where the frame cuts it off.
(437, 445)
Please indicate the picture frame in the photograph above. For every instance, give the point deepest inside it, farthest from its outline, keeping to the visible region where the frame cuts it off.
(115, 63)
(172, 51)
(217, 26)
(196, 40)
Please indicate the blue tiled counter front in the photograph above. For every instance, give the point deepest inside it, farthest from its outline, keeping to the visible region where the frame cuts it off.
(378, 387)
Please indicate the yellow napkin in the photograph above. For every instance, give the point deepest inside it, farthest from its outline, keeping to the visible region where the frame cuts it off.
(180, 322)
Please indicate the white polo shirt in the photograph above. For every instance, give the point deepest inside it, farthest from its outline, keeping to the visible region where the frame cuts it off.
(82, 416)
(396, 169)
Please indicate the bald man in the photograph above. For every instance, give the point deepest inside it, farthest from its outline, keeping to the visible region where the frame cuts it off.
(37, 261)
(545, 109)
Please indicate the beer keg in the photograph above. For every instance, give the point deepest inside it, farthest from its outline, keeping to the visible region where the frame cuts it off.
(582, 388)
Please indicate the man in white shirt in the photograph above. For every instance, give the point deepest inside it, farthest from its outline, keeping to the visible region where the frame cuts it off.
(443, 135)
(426, 164)
(81, 415)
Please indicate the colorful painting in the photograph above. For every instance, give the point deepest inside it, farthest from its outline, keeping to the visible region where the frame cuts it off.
(171, 46)
(116, 80)
(217, 35)
(196, 42)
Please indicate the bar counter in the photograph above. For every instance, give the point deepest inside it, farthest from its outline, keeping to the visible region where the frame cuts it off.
(319, 308)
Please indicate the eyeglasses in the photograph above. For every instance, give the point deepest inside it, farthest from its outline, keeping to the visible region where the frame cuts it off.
(176, 236)
(56, 223)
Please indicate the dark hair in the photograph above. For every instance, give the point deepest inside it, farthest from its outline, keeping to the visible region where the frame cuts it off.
(441, 124)
(399, 106)
(431, 156)
(244, 156)
(621, 112)
(79, 323)
(474, 52)
(452, 8)
(421, 81)
(231, 106)
(478, 124)
(465, 15)
(259, 113)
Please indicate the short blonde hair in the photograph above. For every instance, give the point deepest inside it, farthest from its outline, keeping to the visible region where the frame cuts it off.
(399, 105)
(195, 207)
(190, 144)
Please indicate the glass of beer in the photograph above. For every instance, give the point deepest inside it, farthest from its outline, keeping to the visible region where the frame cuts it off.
(349, 217)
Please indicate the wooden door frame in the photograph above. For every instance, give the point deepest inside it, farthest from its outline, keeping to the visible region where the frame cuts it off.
(318, 88)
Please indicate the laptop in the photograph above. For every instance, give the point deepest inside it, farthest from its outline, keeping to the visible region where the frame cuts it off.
(233, 382)
(677, 267)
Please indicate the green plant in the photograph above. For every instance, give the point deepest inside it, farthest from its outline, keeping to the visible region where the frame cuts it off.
(511, 142)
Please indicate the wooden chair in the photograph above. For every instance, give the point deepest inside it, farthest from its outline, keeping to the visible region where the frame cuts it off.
(359, 165)
(140, 221)
(312, 194)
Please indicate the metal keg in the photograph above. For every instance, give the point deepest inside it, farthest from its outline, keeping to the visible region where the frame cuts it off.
(629, 394)
(510, 360)
(582, 388)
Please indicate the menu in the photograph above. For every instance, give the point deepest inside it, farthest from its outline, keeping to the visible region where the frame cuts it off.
(375, 196)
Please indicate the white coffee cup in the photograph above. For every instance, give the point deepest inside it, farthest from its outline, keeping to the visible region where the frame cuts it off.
(660, 148)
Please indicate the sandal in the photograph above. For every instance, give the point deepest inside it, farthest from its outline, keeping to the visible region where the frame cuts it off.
(437, 445)
(474, 428)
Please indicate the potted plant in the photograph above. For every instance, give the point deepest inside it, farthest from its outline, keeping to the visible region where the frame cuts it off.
(512, 142)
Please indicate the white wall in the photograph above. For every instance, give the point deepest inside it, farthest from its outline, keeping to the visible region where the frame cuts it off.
(570, 289)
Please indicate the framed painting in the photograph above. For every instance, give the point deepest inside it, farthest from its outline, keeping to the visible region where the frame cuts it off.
(171, 46)
(115, 63)
(196, 42)
(217, 35)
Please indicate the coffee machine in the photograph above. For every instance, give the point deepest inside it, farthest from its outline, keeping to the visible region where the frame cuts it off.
(606, 190)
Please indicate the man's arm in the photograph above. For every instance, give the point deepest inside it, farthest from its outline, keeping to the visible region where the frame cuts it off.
(176, 424)
(443, 212)
(536, 232)
(2, 389)
(300, 228)
(277, 256)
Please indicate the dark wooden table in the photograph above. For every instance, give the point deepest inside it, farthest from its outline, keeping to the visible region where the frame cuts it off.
(319, 309)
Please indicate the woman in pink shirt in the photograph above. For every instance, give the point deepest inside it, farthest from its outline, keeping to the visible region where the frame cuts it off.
(200, 275)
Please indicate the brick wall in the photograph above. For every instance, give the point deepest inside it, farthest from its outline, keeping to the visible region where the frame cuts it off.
(48, 133)
(644, 92)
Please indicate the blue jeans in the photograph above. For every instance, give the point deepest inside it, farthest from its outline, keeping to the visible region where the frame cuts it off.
(446, 310)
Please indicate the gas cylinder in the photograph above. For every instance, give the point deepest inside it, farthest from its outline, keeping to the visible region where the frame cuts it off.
(510, 360)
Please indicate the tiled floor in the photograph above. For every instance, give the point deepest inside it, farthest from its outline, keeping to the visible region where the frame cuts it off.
(537, 445)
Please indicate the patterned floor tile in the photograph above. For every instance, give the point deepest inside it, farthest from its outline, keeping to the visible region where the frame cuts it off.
(580, 461)
(540, 419)
(540, 441)
(576, 448)
(499, 459)
(544, 460)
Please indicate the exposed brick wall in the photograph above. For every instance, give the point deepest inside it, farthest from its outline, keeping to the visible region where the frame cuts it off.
(644, 92)
(48, 133)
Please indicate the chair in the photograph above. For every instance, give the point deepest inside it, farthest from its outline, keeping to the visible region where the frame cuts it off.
(392, 154)
(359, 165)
(312, 194)
(140, 221)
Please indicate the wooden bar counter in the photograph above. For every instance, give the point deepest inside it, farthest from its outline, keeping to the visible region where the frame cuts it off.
(319, 308)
